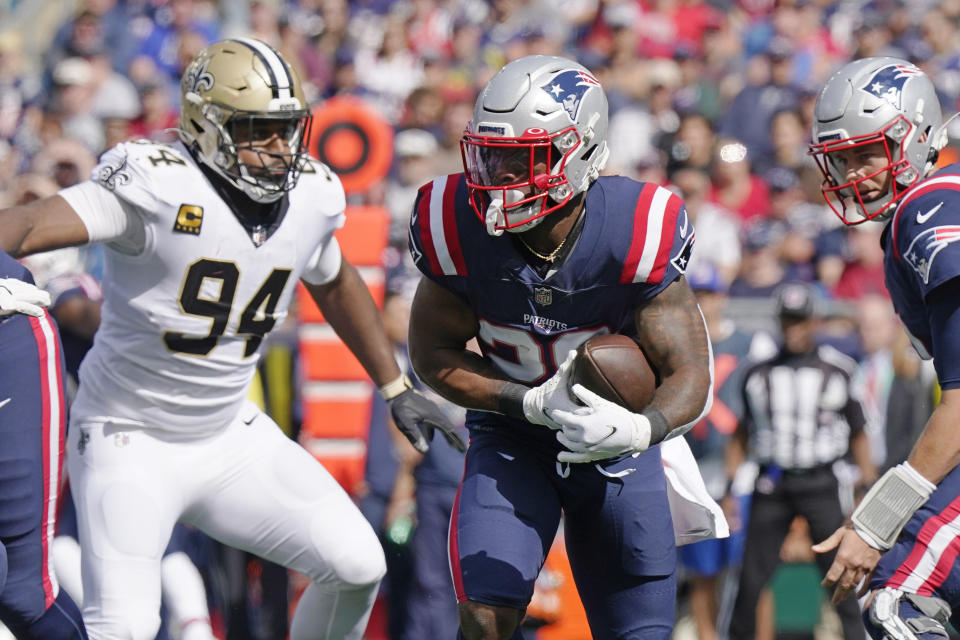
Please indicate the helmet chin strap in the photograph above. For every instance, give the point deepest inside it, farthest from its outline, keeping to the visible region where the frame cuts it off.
(496, 217)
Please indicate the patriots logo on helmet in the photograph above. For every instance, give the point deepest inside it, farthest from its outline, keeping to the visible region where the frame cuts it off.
(927, 245)
(568, 89)
(887, 83)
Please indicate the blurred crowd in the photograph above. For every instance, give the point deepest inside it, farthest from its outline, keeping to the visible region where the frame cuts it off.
(711, 98)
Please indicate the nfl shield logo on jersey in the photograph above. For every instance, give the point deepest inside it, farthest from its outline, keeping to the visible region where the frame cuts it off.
(543, 296)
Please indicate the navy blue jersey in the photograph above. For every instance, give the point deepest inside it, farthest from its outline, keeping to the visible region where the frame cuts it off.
(921, 254)
(636, 240)
(10, 268)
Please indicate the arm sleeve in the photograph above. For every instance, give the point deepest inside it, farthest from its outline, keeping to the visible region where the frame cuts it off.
(107, 217)
(944, 310)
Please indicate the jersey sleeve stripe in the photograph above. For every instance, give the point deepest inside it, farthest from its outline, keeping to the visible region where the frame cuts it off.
(934, 538)
(938, 182)
(647, 233)
(630, 265)
(53, 430)
(423, 221)
(438, 233)
(451, 237)
(668, 227)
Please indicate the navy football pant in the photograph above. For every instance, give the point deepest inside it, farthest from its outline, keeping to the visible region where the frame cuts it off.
(617, 524)
(32, 431)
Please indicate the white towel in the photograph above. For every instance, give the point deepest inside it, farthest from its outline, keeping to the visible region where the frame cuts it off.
(696, 516)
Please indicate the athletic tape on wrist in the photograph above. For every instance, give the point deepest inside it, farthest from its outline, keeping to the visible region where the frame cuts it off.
(890, 504)
(394, 388)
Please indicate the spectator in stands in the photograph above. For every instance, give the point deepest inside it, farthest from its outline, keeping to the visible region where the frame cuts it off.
(735, 186)
(748, 116)
(414, 151)
(175, 21)
(863, 272)
(71, 103)
(65, 160)
(761, 271)
(158, 117)
(720, 228)
(693, 145)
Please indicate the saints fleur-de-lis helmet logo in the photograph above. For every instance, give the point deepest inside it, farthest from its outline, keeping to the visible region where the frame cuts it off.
(198, 78)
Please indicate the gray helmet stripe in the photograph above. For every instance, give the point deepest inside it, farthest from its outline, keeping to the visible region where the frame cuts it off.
(280, 80)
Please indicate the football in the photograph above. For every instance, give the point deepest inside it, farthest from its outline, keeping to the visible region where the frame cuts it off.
(615, 368)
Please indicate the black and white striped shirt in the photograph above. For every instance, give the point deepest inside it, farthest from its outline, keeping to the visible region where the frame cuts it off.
(800, 410)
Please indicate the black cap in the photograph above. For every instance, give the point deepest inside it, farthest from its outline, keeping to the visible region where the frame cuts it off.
(796, 300)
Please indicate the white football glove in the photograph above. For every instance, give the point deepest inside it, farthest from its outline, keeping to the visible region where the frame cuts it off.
(599, 430)
(552, 394)
(17, 296)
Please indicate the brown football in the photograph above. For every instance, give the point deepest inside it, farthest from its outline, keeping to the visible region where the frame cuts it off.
(614, 367)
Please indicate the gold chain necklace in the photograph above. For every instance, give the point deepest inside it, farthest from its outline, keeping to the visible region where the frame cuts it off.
(548, 257)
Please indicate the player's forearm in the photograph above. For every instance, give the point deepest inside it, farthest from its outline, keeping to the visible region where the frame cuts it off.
(673, 334)
(41, 225)
(15, 225)
(348, 307)
(682, 396)
(937, 451)
(459, 375)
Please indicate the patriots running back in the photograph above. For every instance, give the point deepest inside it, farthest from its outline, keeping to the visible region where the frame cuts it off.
(530, 252)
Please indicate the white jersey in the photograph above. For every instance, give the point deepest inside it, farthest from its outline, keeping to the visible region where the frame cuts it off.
(184, 318)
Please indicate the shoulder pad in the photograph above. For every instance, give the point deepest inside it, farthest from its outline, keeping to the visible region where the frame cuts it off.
(927, 221)
(435, 242)
(660, 233)
(322, 188)
(128, 170)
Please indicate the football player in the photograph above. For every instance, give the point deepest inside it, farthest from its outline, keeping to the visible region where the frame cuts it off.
(32, 428)
(877, 133)
(205, 240)
(531, 252)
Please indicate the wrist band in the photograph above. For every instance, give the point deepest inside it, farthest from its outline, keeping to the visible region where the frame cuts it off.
(510, 400)
(659, 427)
(394, 388)
(890, 504)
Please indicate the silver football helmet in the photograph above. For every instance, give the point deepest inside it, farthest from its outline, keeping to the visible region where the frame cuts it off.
(234, 92)
(885, 100)
(536, 139)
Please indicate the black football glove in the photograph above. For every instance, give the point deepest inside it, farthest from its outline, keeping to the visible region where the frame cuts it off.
(416, 416)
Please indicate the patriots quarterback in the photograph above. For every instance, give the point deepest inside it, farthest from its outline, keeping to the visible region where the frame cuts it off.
(204, 241)
(530, 252)
(877, 133)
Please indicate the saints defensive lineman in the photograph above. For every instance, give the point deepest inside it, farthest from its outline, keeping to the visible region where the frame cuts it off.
(205, 240)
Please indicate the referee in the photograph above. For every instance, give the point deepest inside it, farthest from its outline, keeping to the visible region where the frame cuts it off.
(800, 417)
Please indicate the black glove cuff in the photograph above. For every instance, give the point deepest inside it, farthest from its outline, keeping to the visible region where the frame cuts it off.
(510, 401)
(659, 427)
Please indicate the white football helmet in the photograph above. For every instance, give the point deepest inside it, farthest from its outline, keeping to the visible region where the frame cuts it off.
(229, 92)
(879, 99)
(536, 109)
